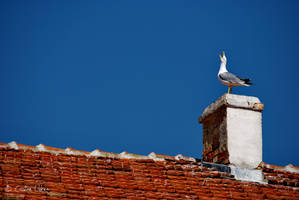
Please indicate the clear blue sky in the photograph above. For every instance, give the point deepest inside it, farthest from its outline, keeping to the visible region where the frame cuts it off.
(135, 75)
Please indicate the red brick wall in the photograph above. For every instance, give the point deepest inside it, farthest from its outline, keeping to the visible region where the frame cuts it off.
(215, 138)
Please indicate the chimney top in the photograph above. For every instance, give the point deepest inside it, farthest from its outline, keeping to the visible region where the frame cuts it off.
(233, 101)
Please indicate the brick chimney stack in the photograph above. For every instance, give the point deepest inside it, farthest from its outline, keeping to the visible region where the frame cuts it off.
(232, 131)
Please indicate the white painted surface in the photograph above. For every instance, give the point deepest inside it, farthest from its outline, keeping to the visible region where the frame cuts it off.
(241, 101)
(244, 174)
(244, 137)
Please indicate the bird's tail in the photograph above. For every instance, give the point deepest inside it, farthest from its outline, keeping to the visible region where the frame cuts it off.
(247, 81)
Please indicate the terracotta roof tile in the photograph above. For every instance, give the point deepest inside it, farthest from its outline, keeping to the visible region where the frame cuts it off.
(43, 172)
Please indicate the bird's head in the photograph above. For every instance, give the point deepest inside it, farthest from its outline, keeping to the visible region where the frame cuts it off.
(222, 58)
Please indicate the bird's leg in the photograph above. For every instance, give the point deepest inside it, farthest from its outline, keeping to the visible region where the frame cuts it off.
(228, 90)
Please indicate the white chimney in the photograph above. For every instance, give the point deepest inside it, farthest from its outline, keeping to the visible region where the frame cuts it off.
(232, 131)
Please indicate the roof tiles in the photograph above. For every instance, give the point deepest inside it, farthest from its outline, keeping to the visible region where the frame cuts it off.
(42, 172)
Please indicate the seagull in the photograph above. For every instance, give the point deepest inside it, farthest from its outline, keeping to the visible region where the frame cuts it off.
(230, 79)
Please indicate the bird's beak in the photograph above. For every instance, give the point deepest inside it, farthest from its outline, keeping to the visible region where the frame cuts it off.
(223, 54)
(220, 57)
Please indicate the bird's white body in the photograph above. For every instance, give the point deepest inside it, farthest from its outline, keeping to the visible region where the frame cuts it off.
(223, 69)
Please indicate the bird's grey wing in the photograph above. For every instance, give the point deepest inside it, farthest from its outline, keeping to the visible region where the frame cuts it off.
(229, 77)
